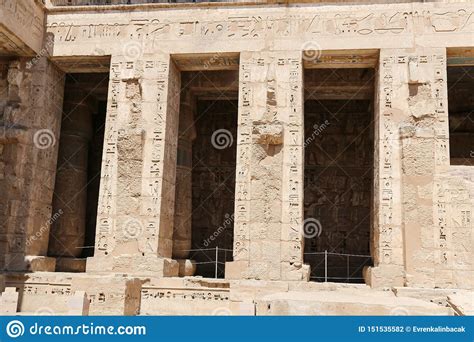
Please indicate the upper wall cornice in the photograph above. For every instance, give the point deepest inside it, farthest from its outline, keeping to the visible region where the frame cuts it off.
(235, 29)
(22, 25)
(129, 5)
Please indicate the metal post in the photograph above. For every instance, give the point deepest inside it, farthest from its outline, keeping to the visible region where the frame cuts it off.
(325, 266)
(217, 258)
(347, 273)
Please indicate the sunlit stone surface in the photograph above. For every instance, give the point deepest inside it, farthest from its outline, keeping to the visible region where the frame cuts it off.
(304, 158)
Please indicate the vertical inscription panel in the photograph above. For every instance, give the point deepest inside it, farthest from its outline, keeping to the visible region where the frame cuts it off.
(136, 197)
(268, 204)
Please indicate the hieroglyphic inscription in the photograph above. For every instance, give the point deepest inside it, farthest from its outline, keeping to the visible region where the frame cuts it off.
(269, 123)
(242, 184)
(24, 15)
(292, 211)
(377, 22)
(388, 155)
(107, 195)
(185, 294)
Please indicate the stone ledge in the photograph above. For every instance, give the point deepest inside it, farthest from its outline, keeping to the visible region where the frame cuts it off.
(346, 303)
(136, 265)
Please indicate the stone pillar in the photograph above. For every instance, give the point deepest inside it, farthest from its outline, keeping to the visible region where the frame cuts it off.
(425, 152)
(182, 234)
(31, 123)
(70, 192)
(386, 246)
(268, 240)
(137, 191)
(411, 142)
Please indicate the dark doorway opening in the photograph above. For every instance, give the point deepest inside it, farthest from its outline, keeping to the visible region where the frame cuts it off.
(76, 193)
(461, 114)
(339, 162)
(205, 177)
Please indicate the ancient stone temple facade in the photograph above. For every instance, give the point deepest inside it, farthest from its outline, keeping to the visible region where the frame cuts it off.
(241, 158)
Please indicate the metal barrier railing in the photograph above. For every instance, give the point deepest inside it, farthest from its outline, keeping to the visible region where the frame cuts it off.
(216, 250)
(216, 262)
(326, 254)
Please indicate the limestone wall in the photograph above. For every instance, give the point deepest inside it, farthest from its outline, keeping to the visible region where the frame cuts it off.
(30, 127)
(22, 27)
(410, 237)
(422, 205)
(235, 29)
(136, 200)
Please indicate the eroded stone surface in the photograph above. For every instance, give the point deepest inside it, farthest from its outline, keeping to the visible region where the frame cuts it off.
(141, 261)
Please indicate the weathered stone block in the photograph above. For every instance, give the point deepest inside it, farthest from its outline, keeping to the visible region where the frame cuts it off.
(78, 304)
(384, 276)
(110, 295)
(9, 301)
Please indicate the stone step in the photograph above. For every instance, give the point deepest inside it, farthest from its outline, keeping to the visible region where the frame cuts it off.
(342, 302)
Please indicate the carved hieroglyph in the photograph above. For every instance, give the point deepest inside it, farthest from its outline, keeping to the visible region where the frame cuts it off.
(415, 223)
(26, 19)
(183, 30)
(136, 204)
(268, 240)
(31, 124)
